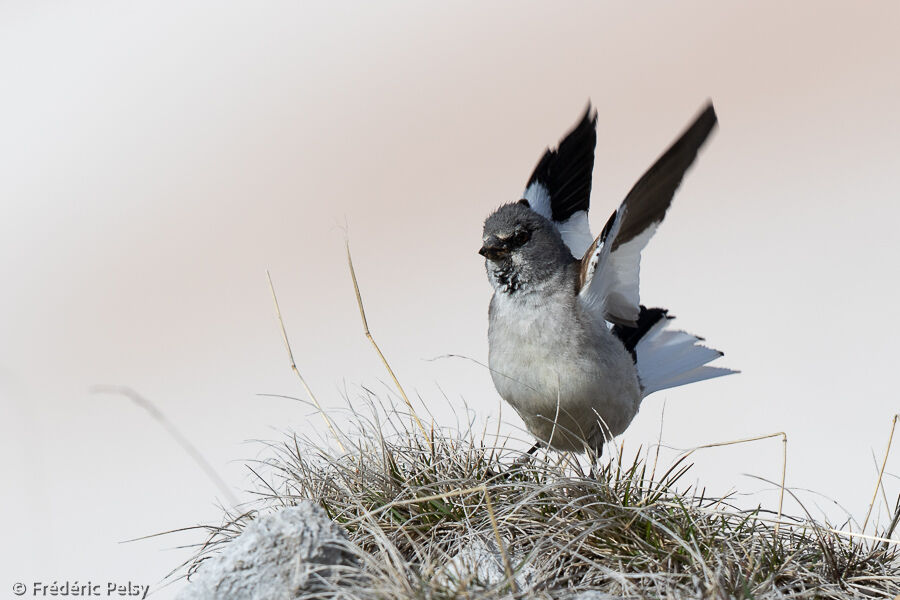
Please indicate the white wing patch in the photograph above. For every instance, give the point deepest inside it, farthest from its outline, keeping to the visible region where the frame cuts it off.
(575, 231)
(611, 279)
(539, 200)
(624, 269)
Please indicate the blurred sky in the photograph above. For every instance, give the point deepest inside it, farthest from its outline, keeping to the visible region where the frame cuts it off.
(156, 158)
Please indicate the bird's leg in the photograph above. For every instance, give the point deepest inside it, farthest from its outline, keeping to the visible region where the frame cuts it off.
(520, 462)
(594, 457)
(529, 456)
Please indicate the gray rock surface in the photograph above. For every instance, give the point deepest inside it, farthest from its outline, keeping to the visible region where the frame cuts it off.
(277, 557)
(480, 560)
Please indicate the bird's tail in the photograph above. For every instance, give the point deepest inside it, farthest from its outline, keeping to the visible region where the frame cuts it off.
(667, 358)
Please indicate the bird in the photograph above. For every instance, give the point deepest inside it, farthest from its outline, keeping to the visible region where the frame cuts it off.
(570, 346)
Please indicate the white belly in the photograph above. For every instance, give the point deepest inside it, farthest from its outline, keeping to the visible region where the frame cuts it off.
(568, 387)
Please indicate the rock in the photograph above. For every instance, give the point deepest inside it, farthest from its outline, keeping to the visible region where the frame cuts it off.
(276, 557)
(480, 560)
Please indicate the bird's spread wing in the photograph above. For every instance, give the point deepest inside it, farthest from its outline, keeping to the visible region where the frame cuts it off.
(560, 186)
(611, 266)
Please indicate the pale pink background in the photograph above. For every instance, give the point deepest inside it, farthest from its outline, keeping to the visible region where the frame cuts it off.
(156, 158)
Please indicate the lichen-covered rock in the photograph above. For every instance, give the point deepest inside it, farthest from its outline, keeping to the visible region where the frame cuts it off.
(479, 560)
(277, 557)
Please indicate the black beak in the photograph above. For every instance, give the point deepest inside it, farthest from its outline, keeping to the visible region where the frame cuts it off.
(492, 252)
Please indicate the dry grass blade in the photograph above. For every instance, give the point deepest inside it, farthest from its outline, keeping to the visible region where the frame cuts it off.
(368, 334)
(881, 471)
(783, 436)
(491, 514)
(296, 371)
(182, 441)
(503, 553)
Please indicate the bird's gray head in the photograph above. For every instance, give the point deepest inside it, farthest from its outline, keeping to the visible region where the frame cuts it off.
(522, 249)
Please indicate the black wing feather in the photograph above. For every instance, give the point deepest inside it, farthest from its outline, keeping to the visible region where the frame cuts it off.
(630, 336)
(566, 171)
(651, 196)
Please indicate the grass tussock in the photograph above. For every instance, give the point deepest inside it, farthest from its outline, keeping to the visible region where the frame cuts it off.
(455, 516)
(446, 513)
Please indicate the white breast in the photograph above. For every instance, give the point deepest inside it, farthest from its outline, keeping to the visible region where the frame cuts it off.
(563, 373)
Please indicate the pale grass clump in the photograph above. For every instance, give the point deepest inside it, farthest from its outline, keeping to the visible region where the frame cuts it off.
(631, 529)
(414, 500)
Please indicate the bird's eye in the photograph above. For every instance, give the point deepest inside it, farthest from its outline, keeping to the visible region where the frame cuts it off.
(519, 238)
